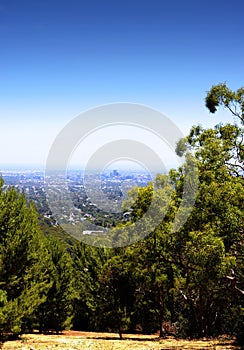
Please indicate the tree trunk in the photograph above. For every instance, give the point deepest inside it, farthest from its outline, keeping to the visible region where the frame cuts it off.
(120, 333)
(161, 317)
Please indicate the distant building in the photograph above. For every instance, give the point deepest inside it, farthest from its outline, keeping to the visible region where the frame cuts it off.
(88, 232)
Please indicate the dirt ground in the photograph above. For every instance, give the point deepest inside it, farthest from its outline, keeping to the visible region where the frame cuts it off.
(108, 341)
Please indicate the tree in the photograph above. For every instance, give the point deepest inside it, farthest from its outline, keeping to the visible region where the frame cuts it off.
(24, 277)
(88, 264)
(56, 313)
(219, 203)
(149, 259)
(116, 293)
(187, 267)
(221, 95)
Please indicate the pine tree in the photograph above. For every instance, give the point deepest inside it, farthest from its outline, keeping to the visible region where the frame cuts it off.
(23, 259)
(56, 313)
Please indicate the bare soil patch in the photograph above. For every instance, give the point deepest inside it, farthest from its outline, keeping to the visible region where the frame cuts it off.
(72, 340)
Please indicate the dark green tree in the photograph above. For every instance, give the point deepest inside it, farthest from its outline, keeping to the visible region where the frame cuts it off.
(56, 313)
(88, 264)
(24, 258)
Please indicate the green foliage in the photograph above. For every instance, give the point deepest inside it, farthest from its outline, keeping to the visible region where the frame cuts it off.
(116, 293)
(23, 258)
(221, 95)
(56, 312)
(88, 262)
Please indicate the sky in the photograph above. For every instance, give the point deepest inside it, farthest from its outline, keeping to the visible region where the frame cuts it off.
(59, 58)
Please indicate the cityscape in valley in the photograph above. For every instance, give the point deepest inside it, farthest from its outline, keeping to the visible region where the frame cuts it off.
(114, 185)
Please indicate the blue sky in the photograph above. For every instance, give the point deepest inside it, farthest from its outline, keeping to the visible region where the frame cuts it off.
(59, 58)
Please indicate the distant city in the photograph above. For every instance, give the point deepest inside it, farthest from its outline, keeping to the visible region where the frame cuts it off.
(86, 210)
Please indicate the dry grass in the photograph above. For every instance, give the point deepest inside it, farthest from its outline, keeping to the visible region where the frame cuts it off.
(108, 341)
